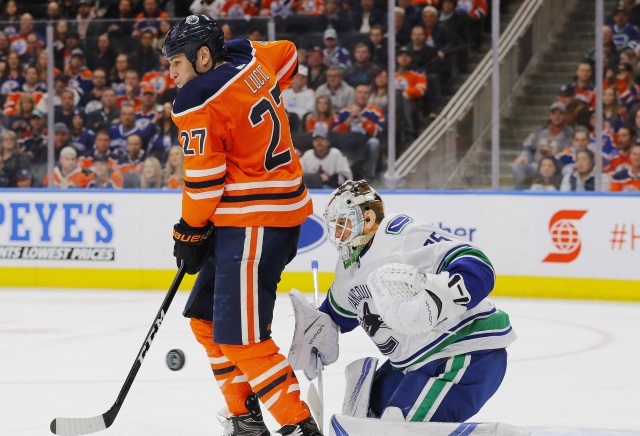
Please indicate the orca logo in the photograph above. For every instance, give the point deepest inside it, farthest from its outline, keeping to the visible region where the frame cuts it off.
(565, 236)
(313, 233)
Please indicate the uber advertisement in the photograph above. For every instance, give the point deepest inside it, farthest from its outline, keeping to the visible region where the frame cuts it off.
(524, 236)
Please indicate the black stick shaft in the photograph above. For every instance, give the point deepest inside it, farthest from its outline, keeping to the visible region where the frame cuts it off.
(110, 415)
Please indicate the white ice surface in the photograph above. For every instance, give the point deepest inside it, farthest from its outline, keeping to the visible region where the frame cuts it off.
(66, 353)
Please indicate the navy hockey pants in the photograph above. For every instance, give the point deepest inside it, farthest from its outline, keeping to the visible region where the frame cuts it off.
(446, 390)
(236, 287)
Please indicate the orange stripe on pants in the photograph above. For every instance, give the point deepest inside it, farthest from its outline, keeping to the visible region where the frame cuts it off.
(225, 372)
(271, 377)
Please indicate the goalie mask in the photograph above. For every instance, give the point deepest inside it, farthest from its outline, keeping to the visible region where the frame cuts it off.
(344, 218)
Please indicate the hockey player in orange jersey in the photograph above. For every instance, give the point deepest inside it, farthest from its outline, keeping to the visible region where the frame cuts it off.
(243, 198)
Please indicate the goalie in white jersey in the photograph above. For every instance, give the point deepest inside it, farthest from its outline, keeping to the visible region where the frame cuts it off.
(421, 295)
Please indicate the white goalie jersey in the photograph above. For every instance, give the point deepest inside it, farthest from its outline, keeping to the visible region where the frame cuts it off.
(403, 239)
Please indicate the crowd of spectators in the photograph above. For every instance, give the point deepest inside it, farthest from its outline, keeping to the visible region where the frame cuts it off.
(112, 93)
(561, 155)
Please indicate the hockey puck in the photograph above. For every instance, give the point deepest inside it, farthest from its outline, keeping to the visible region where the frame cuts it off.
(175, 360)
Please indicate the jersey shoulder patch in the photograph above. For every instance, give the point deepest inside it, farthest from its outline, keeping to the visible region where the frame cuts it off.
(397, 224)
(198, 91)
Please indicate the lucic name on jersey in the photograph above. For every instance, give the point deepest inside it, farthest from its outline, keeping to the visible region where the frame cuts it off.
(404, 239)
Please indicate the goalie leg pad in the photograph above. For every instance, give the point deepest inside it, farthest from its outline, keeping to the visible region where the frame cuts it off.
(359, 377)
(314, 330)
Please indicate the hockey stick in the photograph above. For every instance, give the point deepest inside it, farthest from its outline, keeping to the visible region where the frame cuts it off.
(80, 426)
(314, 397)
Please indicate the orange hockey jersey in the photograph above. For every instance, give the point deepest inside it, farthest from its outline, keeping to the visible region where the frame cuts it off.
(240, 166)
(412, 84)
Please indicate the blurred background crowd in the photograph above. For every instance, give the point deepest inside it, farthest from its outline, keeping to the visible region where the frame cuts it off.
(112, 93)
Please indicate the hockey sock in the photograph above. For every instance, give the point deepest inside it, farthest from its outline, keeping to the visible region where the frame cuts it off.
(230, 378)
(271, 378)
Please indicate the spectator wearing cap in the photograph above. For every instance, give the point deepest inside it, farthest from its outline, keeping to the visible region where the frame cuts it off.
(322, 165)
(82, 139)
(85, 17)
(628, 91)
(334, 16)
(624, 34)
(149, 108)
(127, 126)
(146, 56)
(106, 115)
(317, 68)
(12, 157)
(362, 69)
(366, 15)
(61, 138)
(24, 178)
(103, 176)
(366, 119)
(67, 173)
(378, 46)
(34, 143)
(298, 98)
(412, 86)
(64, 112)
(71, 42)
(334, 54)
(577, 110)
(149, 18)
(80, 75)
(545, 141)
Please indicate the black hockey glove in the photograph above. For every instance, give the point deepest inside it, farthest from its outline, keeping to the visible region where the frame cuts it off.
(192, 245)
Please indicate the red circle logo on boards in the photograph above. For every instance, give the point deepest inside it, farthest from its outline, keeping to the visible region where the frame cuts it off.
(564, 236)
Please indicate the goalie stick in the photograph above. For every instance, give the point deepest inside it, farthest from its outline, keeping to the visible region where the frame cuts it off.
(314, 397)
(80, 426)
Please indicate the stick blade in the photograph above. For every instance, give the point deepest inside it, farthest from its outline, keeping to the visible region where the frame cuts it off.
(78, 426)
(315, 405)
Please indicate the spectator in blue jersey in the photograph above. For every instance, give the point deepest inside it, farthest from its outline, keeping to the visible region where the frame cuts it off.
(545, 141)
(548, 175)
(362, 69)
(334, 54)
(338, 90)
(566, 158)
(624, 34)
(126, 127)
(81, 138)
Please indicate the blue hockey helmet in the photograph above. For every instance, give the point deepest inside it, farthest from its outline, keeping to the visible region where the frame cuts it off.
(192, 33)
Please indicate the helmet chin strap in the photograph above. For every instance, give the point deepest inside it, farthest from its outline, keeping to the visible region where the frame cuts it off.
(193, 64)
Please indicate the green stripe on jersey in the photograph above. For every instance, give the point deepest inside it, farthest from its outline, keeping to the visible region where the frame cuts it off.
(339, 309)
(467, 252)
(436, 389)
(495, 322)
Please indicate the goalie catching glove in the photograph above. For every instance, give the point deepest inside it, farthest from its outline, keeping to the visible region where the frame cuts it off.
(191, 245)
(411, 302)
(315, 331)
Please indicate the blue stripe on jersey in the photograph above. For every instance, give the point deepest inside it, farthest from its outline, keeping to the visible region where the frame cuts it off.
(444, 336)
(487, 334)
(466, 428)
(346, 324)
(195, 92)
(478, 277)
(439, 269)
